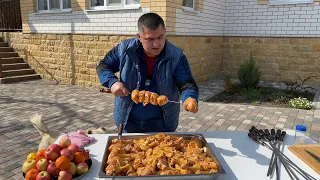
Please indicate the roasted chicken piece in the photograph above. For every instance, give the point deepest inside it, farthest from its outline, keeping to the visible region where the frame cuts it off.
(146, 100)
(135, 96)
(180, 159)
(138, 155)
(162, 100)
(121, 144)
(116, 170)
(208, 165)
(153, 98)
(162, 163)
(170, 171)
(119, 153)
(196, 168)
(116, 160)
(160, 136)
(145, 144)
(144, 171)
(167, 151)
(137, 163)
(183, 170)
(141, 96)
(151, 161)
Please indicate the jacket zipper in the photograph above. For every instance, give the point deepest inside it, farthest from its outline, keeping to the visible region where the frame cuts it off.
(163, 113)
(137, 87)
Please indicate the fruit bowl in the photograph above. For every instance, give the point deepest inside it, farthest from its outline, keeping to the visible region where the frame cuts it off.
(76, 176)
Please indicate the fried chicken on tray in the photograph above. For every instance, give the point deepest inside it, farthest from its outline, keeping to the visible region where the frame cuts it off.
(159, 154)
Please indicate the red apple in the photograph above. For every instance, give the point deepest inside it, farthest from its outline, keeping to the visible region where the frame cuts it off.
(67, 153)
(55, 147)
(65, 175)
(43, 175)
(65, 142)
(42, 164)
(52, 152)
(51, 155)
(53, 170)
(86, 154)
(72, 169)
(74, 148)
(27, 165)
(82, 168)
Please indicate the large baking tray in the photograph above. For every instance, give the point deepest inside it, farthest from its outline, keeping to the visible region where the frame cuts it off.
(209, 152)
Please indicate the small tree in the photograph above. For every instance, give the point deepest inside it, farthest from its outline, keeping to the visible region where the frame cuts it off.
(249, 74)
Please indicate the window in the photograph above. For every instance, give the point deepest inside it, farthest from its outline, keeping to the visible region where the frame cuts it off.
(110, 4)
(278, 2)
(188, 4)
(53, 5)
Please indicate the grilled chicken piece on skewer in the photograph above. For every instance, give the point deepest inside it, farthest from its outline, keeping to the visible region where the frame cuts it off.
(153, 98)
(162, 100)
(135, 96)
(146, 98)
(141, 96)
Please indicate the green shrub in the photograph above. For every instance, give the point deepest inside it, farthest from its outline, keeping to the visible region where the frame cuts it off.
(249, 74)
(300, 103)
(250, 94)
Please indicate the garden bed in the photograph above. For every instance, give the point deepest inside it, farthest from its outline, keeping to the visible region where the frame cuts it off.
(261, 96)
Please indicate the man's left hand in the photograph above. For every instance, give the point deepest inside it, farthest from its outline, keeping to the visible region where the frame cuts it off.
(191, 105)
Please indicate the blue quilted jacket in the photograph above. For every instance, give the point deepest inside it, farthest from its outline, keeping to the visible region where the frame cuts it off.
(173, 78)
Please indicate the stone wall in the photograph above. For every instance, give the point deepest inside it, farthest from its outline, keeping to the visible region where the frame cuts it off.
(72, 59)
(280, 59)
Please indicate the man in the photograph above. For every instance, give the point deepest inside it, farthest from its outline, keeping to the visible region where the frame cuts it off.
(148, 62)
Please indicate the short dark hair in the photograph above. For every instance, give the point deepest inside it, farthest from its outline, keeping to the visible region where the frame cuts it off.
(150, 21)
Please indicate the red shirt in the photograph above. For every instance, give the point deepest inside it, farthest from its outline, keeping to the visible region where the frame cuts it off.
(150, 63)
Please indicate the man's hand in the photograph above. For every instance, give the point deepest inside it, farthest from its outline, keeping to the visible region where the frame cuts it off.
(118, 89)
(191, 105)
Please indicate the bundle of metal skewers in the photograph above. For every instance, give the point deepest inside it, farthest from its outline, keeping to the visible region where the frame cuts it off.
(273, 140)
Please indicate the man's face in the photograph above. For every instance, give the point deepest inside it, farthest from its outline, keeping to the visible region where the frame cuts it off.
(153, 41)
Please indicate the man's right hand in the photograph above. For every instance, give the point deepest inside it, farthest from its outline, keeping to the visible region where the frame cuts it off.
(118, 89)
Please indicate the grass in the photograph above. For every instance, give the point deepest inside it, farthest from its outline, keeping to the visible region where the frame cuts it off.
(262, 96)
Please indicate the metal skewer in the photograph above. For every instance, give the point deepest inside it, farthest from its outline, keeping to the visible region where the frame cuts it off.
(263, 137)
(120, 131)
(271, 138)
(174, 102)
(274, 165)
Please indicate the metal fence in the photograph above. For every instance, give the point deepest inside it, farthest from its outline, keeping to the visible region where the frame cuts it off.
(10, 15)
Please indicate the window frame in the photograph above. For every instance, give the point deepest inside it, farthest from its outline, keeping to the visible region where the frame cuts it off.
(290, 2)
(55, 10)
(189, 8)
(114, 7)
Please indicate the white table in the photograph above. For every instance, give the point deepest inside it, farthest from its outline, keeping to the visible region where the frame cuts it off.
(241, 157)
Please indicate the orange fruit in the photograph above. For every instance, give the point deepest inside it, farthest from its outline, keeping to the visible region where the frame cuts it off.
(78, 158)
(40, 154)
(62, 163)
(32, 174)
